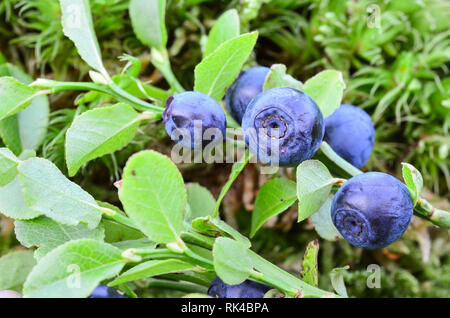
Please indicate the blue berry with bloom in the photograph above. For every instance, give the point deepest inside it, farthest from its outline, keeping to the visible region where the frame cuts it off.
(372, 210)
(194, 119)
(350, 133)
(283, 126)
(249, 84)
(247, 289)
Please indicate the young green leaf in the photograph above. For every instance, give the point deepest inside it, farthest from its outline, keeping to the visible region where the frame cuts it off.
(79, 27)
(152, 268)
(154, 196)
(277, 77)
(413, 179)
(29, 233)
(219, 69)
(236, 169)
(49, 192)
(14, 95)
(310, 271)
(99, 132)
(200, 202)
(232, 261)
(14, 269)
(8, 166)
(226, 27)
(274, 197)
(214, 226)
(13, 203)
(322, 221)
(314, 183)
(337, 280)
(73, 270)
(326, 89)
(148, 20)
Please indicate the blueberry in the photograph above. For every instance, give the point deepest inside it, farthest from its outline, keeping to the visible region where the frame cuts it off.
(9, 294)
(284, 120)
(247, 289)
(249, 84)
(102, 291)
(350, 132)
(372, 210)
(191, 114)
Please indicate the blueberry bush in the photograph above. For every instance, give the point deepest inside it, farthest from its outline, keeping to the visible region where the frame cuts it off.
(119, 176)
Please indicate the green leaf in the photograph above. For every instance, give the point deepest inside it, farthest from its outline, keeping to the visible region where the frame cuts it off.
(116, 232)
(314, 183)
(26, 129)
(30, 233)
(148, 20)
(232, 261)
(413, 179)
(310, 271)
(139, 243)
(154, 196)
(73, 270)
(274, 197)
(8, 166)
(99, 132)
(49, 192)
(219, 69)
(14, 269)
(326, 89)
(13, 203)
(337, 280)
(152, 268)
(277, 77)
(226, 27)
(33, 122)
(274, 275)
(79, 27)
(200, 202)
(14, 95)
(236, 169)
(214, 227)
(323, 223)
(10, 134)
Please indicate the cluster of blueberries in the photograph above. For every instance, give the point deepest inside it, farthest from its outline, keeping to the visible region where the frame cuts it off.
(371, 210)
(283, 114)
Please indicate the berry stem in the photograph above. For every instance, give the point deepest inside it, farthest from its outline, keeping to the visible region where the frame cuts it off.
(336, 161)
(160, 59)
(54, 87)
(438, 217)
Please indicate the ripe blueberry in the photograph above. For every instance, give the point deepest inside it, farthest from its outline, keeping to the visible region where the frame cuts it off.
(189, 115)
(350, 132)
(102, 291)
(9, 294)
(284, 120)
(249, 84)
(247, 289)
(372, 210)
